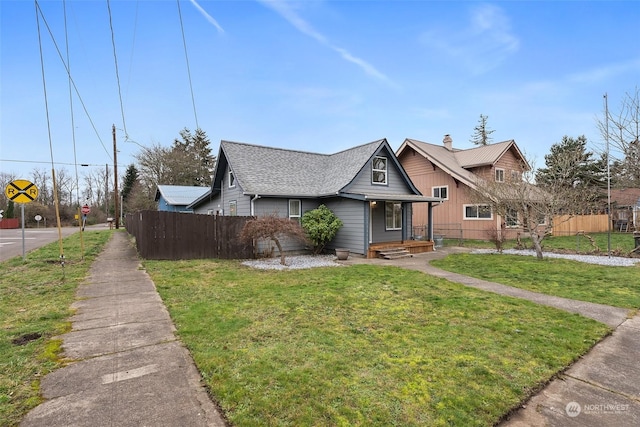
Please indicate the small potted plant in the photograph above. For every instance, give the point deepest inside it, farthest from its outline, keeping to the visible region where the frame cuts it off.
(342, 254)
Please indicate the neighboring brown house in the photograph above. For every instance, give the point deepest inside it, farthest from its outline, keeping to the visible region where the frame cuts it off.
(446, 172)
(626, 209)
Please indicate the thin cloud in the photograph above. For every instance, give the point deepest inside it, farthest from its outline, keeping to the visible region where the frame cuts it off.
(284, 9)
(208, 17)
(484, 44)
(605, 72)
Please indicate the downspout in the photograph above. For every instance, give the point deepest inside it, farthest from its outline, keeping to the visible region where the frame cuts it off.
(253, 199)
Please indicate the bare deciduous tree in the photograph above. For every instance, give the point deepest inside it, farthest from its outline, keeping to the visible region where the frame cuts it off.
(521, 202)
(274, 228)
(622, 129)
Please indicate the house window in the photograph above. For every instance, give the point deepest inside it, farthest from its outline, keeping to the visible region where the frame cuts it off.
(379, 170)
(441, 192)
(233, 208)
(232, 179)
(477, 212)
(511, 218)
(516, 176)
(393, 215)
(295, 210)
(499, 175)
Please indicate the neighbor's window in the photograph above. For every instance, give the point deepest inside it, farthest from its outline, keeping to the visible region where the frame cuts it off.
(499, 175)
(477, 212)
(233, 208)
(516, 176)
(441, 192)
(511, 218)
(295, 210)
(393, 215)
(379, 170)
(232, 179)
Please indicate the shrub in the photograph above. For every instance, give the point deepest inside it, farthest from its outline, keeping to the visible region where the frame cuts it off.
(321, 226)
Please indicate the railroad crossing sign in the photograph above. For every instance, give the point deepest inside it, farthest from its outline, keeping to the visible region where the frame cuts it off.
(21, 191)
(85, 210)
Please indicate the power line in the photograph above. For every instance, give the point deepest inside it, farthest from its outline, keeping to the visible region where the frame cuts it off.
(56, 163)
(115, 60)
(70, 77)
(186, 56)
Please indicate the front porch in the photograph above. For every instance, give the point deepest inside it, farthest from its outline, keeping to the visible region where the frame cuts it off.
(411, 246)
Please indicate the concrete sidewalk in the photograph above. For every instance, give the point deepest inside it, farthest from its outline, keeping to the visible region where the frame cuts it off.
(600, 389)
(128, 367)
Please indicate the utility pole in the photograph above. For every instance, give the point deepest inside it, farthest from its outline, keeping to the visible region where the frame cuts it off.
(116, 211)
(106, 189)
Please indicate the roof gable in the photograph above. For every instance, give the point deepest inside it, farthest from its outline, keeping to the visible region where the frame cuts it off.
(269, 171)
(458, 163)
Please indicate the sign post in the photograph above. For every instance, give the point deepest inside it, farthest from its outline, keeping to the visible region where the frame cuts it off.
(21, 191)
(86, 210)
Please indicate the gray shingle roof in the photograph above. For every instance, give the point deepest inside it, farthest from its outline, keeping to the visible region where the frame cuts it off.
(180, 194)
(281, 172)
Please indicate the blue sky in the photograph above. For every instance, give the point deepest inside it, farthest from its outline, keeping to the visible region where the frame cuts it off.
(317, 76)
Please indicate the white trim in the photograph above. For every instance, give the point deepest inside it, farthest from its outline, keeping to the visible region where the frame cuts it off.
(385, 170)
(232, 179)
(467, 218)
(496, 174)
(298, 217)
(440, 192)
(393, 216)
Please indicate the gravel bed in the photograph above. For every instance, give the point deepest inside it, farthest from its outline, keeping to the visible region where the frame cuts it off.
(294, 262)
(590, 259)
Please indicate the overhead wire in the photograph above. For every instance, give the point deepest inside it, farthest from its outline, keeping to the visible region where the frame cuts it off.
(73, 132)
(115, 60)
(53, 173)
(75, 87)
(186, 56)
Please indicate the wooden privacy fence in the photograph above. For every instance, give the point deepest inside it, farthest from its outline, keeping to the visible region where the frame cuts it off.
(569, 225)
(174, 235)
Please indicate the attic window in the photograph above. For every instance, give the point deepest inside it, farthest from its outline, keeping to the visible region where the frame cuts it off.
(441, 192)
(232, 179)
(379, 170)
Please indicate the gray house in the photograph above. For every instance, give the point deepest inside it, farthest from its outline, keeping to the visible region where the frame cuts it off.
(365, 186)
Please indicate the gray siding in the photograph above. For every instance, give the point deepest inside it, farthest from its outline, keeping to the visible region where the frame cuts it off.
(227, 195)
(269, 206)
(395, 182)
(352, 234)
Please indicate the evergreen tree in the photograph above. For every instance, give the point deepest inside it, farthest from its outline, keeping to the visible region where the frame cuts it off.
(130, 178)
(193, 161)
(482, 134)
(571, 166)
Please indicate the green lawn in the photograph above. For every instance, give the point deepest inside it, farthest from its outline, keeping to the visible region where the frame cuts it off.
(35, 299)
(363, 345)
(621, 243)
(616, 286)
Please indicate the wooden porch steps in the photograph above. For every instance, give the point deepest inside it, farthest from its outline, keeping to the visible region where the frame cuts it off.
(394, 253)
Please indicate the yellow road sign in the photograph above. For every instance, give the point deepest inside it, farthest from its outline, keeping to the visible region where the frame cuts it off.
(21, 191)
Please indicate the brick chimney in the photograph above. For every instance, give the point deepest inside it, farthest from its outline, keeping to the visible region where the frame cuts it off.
(448, 142)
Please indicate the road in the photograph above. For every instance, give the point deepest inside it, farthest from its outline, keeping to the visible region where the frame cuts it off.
(11, 240)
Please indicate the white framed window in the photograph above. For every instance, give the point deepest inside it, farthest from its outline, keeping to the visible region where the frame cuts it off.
(393, 215)
(232, 179)
(477, 212)
(295, 210)
(233, 208)
(441, 192)
(379, 170)
(499, 175)
(511, 218)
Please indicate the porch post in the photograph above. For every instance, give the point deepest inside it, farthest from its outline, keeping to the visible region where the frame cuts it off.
(430, 221)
